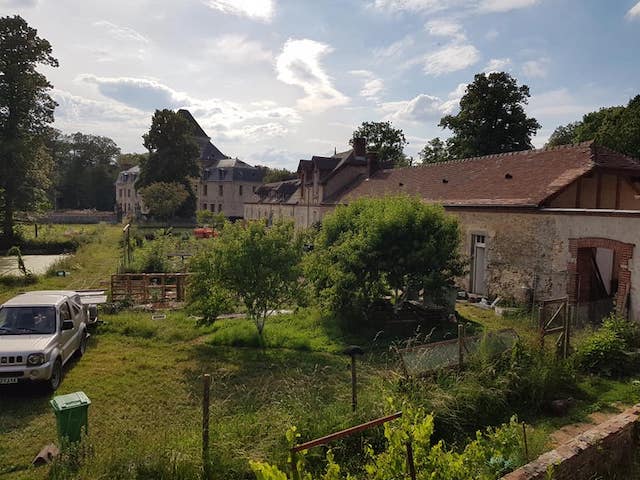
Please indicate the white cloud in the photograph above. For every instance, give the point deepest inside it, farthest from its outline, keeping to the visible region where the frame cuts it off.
(18, 3)
(505, 5)
(396, 48)
(121, 33)
(492, 34)
(557, 103)
(255, 9)
(433, 6)
(497, 65)
(451, 58)
(634, 12)
(372, 85)
(419, 109)
(536, 68)
(454, 97)
(446, 28)
(222, 118)
(299, 65)
(237, 49)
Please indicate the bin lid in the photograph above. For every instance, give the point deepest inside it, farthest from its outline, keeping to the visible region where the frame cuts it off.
(69, 401)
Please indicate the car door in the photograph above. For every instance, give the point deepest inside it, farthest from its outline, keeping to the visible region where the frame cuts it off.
(67, 336)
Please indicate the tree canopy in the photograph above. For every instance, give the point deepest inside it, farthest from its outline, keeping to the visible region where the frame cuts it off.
(173, 156)
(26, 110)
(492, 118)
(435, 151)
(388, 142)
(86, 168)
(276, 174)
(615, 127)
(255, 264)
(164, 199)
(374, 247)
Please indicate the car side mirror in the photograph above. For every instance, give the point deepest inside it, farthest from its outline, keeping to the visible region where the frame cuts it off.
(67, 325)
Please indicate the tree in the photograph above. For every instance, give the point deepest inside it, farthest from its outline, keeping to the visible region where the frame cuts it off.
(173, 156)
(492, 118)
(163, 199)
(256, 264)
(208, 218)
(615, 127)
(435, 151)
(386, 141)
(127, 160)
(374, 247)
(276, 174)
(86, 168)
(26, 110)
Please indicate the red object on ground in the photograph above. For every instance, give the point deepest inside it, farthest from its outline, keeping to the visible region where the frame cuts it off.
(204, 232)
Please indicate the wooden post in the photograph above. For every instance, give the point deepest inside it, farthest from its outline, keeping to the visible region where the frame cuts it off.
(567, 330)
(526, 445)
(35, 226)
(206, 463)
(354, 386)
(541, 327)
(460, 345)
(410, 463)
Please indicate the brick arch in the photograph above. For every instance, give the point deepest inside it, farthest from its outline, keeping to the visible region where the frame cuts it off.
(623, 254)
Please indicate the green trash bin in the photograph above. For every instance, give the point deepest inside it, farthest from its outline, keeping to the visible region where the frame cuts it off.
(72, 416)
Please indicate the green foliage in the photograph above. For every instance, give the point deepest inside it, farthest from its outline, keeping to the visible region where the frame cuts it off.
(376, 246)
(435, 151)
(128, 160)
(276, 174)
(26, 110)
(615, 127)
(210, 219)
(255, 265)
(86, 169)
(490, 455)
(22, 268)
(492, 118)
(604, 352)
(173, 156)
(164, 199)
(382, 138)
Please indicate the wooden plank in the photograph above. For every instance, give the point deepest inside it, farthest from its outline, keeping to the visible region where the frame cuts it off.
(344, 433)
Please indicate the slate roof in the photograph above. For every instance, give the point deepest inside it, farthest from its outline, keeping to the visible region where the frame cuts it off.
(231, 169)
(277, 192)
(517, 179)
(129, 175)
(208, 151)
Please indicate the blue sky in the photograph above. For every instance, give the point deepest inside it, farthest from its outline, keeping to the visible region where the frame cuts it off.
(273, 81)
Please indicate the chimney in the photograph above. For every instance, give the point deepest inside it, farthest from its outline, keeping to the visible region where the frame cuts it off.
(360, 146)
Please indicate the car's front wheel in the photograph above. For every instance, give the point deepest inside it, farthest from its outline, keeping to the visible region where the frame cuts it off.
(56, 376)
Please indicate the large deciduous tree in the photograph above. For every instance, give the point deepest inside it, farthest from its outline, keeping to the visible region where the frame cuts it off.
(164, 199)
(173, 156)
(435, 151)
(26, 110)
(255, 264)
(388, 142)
(492, 118)
(86, 167)
(615, 127)
(376, 247)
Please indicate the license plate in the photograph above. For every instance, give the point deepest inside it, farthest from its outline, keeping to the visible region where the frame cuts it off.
(8, 380)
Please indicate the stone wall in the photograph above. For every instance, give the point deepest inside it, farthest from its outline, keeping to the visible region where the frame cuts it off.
(606, 448)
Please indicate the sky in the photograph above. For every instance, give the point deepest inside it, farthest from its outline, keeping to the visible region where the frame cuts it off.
(274, 81)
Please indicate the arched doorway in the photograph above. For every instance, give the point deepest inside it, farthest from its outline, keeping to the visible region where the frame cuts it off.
(599, 276)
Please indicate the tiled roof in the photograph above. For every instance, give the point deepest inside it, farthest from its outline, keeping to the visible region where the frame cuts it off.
(518, 179)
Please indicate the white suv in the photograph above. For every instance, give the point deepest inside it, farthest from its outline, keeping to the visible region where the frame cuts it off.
(39, 333)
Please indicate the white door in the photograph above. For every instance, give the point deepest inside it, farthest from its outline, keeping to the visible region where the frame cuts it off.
(479, 267)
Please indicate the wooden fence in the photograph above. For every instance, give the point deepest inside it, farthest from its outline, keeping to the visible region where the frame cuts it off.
(148, 287)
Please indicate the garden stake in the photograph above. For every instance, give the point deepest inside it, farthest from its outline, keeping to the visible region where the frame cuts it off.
(206, 465)
(460, 345)
(352, 351)
(410, 464)
(526, 446)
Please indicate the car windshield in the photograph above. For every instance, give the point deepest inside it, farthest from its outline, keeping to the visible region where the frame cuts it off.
(27, 320)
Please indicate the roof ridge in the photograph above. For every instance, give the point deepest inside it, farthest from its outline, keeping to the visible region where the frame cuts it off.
(505, 154)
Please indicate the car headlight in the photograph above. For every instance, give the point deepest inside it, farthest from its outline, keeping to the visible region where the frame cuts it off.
(35, 359)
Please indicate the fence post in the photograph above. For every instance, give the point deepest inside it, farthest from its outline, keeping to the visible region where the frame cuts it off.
(567, 329)
(206, 464)
(460, 345)
(541, 326)
(410, 463)
(526, 445)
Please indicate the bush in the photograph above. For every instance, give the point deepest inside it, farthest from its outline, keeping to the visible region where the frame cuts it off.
(605, 351)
